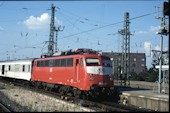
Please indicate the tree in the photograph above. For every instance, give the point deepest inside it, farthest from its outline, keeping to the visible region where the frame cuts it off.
(150, 75)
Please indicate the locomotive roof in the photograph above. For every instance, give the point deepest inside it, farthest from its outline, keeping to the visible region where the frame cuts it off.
(80, 51)
(64, 56)
(74, 55)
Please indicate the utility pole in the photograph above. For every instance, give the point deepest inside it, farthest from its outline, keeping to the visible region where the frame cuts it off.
(52, 30)
(160, 57)
(160, 65)
(163, 31)
(125, 62)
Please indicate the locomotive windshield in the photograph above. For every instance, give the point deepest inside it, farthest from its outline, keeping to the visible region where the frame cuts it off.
(107, 63)
(92, 62)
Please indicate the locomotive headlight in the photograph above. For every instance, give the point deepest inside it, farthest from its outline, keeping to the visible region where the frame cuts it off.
(91, 76)
(112, 88)
(111, 78)
(101, 71)
(102, 83)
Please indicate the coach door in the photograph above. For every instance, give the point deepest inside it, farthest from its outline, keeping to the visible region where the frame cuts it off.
(3, 69)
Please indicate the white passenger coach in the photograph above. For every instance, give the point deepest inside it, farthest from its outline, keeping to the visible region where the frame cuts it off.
(19, 69)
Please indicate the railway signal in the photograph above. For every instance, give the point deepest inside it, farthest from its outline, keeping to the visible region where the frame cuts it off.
(166, 8)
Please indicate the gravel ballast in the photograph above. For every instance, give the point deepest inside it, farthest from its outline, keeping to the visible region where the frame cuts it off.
(21, 100)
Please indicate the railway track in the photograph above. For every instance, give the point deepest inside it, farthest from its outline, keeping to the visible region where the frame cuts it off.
(128, 108)
(3, 108)
(95, 106)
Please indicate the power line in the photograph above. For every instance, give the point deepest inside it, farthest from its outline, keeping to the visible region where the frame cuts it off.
(106, 25)
(80, 19)
(22, 8)
(84, 19)
(78, 27)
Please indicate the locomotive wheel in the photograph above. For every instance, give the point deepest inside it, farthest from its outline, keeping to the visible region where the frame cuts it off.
(36, 85)
(61, 90)
(77, 93)
(84, 95)
(46, 88)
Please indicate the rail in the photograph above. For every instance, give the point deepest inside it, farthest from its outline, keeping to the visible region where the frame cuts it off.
(3, 108)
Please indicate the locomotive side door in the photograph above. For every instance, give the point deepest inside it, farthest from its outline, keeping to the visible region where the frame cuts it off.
(76, 70)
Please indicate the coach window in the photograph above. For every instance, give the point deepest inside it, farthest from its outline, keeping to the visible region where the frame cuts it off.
(28, 68)
(9, 68)
(12, 68)
(23, 68)
(16, 67)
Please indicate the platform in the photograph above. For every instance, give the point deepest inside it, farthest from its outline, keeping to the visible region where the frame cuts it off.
(144, 98)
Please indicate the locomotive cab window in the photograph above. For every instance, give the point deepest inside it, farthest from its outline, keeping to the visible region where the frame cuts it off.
(81, 62)
(92, 62)
(107, 63)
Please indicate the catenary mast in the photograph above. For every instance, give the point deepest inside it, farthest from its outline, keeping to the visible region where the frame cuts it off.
(52, 30)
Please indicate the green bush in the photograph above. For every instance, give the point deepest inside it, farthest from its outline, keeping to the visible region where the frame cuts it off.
(150, 75)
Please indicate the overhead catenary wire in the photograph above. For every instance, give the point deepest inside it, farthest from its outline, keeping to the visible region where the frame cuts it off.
(83, 19)
(96, 28)
(106, 25)
(73, 24)
(87, 31)
(80, 19)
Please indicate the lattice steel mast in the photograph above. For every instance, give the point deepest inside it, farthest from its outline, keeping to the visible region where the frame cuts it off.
(125, 62)
(52, 30)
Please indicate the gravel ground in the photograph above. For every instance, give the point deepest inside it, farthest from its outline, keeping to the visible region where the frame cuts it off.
(20, 100)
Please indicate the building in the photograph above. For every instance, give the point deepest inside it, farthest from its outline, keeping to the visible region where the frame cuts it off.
(137, 62)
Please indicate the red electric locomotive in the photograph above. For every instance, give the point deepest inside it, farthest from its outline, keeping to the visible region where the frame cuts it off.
(83, 73)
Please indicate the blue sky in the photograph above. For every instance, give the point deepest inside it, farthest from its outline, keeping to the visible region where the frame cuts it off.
(25, 26)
